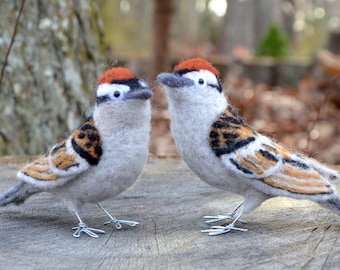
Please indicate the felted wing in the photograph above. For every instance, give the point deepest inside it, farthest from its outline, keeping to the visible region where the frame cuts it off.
(256, 158)
(38, 173)
(76, 154)
(66, 160)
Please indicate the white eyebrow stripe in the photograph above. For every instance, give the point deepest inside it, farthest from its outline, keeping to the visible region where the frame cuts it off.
(107, 88)
(210, 77)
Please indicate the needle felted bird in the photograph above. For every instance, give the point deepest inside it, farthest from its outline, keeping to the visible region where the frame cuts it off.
(100, 159)
(224, 151)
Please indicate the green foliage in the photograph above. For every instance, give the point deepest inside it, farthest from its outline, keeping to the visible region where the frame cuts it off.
(274, 43)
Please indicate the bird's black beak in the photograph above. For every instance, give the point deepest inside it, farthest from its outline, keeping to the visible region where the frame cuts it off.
(139, 93)
(174, 80)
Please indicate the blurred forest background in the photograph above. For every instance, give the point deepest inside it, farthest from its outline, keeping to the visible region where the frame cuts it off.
(279, 62)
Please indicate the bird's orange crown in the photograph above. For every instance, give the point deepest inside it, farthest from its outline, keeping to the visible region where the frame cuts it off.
(196, 64)
(116, 74)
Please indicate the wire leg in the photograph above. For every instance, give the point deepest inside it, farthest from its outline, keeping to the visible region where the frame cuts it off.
(218, 229)
(117, 222)
(231, 216)
(82, 227)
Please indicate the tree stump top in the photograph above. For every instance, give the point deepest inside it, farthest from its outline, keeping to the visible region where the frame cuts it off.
(169, 202)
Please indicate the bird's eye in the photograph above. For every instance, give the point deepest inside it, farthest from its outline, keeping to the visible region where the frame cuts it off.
(201, 81)
(112, 92)
(116, 94)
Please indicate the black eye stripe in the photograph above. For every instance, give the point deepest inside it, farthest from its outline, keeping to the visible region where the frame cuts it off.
(218, 87)
(181, 72)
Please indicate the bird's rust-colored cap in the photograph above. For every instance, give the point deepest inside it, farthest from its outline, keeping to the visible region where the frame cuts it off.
(196, 64)
(116, 74)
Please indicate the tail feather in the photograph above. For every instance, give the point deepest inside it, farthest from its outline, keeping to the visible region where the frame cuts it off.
(17, 194)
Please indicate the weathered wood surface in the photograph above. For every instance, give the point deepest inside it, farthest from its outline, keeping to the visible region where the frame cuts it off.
(169, 202)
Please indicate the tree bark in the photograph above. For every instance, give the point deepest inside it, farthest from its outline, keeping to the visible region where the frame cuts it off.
(50, 74)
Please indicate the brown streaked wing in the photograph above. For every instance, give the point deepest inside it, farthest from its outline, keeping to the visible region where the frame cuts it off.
(87, 143)
(60, 158)
(229, 133)
(39, 170)
(297, 177)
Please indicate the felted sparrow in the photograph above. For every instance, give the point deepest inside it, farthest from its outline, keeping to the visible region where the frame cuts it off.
(100, 159)
(224, 151)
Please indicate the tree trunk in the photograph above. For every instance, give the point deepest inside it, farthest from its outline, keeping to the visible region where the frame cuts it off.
(161, 36)
(246, 22)
(51, 71)
(333, 42)
(237, 29)
(162, 142)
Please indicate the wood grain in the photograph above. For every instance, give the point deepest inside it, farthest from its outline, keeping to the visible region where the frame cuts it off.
(169, 202)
